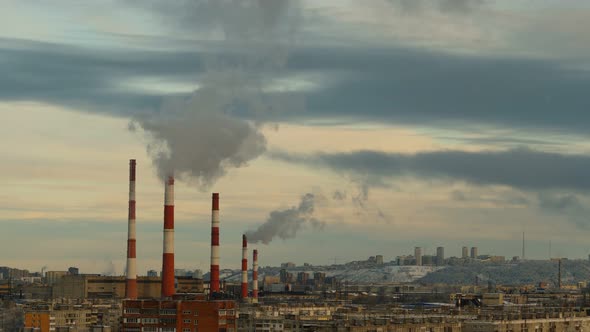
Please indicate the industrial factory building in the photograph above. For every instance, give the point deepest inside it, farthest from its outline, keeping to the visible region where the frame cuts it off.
(95, 287)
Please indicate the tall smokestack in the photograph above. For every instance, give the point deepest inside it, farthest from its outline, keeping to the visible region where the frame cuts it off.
(168, 255)
(214, 279)
(244, 267)
(255, 275)
(131, 284)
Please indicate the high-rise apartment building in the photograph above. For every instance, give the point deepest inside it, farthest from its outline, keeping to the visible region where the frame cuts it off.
(474, 252)
(418, 255)
(440, 256)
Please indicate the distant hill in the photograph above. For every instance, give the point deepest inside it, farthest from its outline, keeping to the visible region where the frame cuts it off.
(526, 272)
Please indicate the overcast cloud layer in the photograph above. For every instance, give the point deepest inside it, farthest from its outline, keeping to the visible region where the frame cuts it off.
(347, 84)
(395, 81)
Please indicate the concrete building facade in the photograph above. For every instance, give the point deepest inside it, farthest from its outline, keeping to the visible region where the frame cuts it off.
(95, 286)
(418, 255)
(440, 256)
(474, 253)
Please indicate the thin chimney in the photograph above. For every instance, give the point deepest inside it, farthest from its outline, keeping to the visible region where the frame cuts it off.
(244, 267)
(255, 275)
(168, 254)
(214, 279)
(131, 273)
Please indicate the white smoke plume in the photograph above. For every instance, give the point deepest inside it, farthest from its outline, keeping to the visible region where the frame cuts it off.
(199, 137)
(285, 224)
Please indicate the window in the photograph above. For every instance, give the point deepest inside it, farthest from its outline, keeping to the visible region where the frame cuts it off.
(150, 321)
(168, 312)
(131, 310)
(168, 329)
(150, 329)
(186, 329)
(196, 322)
(186, 321)
(131, 320)
(186, 312)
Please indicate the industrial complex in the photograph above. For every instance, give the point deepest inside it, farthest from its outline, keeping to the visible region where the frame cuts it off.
(370, 295)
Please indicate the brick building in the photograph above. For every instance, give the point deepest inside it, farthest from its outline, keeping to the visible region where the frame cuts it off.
(178, 316)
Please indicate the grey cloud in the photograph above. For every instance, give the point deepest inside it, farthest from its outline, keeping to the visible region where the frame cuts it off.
(339, 195)
(391, 85)
(238, 20)
(568, 205)
(519, 168)
(503, 198)
(285, 224)
(458, 195)
(420, 87)
(562, 203)
(503, 141)
(88, 79)
(447, 6)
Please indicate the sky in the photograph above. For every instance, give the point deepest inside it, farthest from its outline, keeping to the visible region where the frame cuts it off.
(333, 130)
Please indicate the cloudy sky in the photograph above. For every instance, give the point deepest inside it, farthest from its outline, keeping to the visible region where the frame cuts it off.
(333, 130)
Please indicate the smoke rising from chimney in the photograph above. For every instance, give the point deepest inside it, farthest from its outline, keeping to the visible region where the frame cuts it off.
(200, 137)
(286, 223)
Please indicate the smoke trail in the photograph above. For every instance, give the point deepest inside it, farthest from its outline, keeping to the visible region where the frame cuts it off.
(109, 269)
(286, 223)
(217, 128)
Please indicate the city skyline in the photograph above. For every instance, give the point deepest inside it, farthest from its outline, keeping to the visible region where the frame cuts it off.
(388, 125)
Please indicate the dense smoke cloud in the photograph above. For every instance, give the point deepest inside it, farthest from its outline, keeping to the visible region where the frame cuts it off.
(200, 137)
(286, 223)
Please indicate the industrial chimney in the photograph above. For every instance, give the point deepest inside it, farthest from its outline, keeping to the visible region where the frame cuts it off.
(168, 255)
(255, 275)
(131, 284)
(244, 267)
(214, 279)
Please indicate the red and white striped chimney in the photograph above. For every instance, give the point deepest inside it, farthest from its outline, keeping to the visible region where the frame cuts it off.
(168, 255)
(255, 275)
(214, 278)
(244, 267)
(131, 284)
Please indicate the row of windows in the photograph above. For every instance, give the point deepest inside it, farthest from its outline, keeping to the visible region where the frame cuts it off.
(153, 311)
(226, 312)
(156, 321)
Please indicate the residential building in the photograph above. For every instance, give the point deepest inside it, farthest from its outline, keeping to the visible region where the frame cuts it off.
(161, 315)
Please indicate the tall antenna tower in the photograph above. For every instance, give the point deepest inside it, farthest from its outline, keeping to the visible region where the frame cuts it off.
(523, 257)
